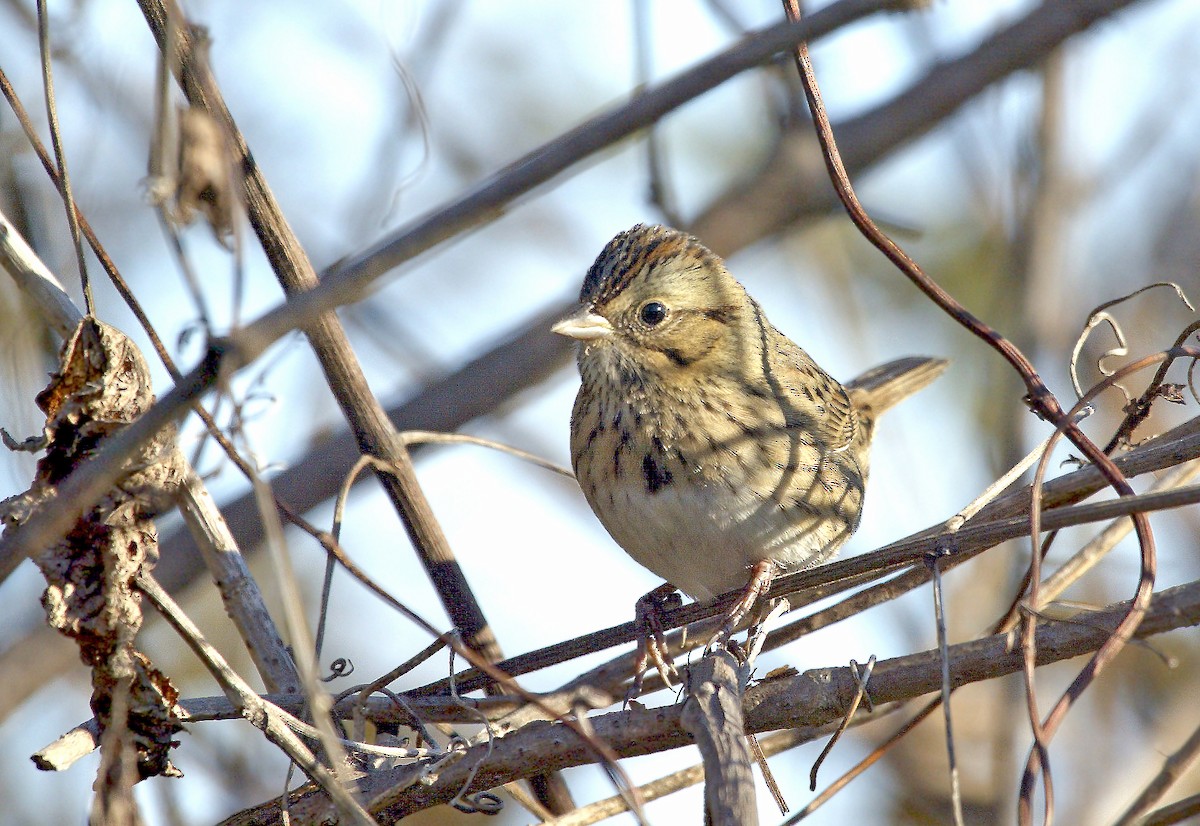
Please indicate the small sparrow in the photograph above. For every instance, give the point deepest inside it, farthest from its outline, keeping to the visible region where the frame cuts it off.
(714, 450)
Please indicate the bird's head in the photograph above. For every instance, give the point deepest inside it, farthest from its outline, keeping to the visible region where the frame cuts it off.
(658, 301)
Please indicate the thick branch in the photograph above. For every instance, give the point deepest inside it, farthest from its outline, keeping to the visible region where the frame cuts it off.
(996, 523)
(793, 182)
(809, 699)
(347, 381)
(712, 715)
(530, 352)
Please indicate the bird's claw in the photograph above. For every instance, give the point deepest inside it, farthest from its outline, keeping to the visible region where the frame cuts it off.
(652, 648)
(761, 576)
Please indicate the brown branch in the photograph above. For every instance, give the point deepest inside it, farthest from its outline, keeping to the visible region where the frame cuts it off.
(347, 284)
(531, 352)
(810, 699)
(997, 522)
(342, 370)
(1043, 403)
(792, 183)
(1182, 811)
(712, 715)
(1174, 767)
(43, 29)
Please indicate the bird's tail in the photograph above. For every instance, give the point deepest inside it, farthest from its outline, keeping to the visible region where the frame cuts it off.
(889, 384)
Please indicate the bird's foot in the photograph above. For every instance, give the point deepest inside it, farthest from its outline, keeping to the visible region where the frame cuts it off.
(652, 645)
(761, 576)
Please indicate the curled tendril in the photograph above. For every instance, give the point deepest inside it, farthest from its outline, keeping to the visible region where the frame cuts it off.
(341, 667)
(482, 803)
(1100, 315)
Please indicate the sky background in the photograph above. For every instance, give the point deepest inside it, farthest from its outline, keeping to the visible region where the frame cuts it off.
(366, 115)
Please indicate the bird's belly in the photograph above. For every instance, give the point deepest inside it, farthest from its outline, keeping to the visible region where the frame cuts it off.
(703, 537)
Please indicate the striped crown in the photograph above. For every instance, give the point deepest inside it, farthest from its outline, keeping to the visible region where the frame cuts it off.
(640, 248)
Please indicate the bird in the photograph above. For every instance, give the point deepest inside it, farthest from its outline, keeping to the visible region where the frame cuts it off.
(712, 448)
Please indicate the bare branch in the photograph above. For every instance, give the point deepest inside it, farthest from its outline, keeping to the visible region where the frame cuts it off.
(810, 699)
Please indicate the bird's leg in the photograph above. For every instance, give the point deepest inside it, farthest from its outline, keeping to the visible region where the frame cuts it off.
(761, 575)
(652, 646)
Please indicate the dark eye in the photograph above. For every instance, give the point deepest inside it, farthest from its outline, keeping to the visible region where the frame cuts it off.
(652, 313)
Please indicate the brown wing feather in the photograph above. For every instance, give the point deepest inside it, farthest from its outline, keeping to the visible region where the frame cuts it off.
(818, 396)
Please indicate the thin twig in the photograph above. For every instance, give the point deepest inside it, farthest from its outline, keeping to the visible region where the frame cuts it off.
(60, 157)
(1182, 811)
(861, 680)
(756, 637)
(943, 646)
(829, 579)
(1043, 730)
(1042, 401)
(298, 631)
(815, 698)
(660, 193)
(997, 487)
(260, 713)
(429, 437)
(1100, 314)
(364, 693)
(871, 759)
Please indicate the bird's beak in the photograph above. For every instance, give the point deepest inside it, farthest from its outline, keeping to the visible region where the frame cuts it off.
(585, 326)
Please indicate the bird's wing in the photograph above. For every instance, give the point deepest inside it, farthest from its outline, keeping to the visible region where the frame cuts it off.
(816, 395)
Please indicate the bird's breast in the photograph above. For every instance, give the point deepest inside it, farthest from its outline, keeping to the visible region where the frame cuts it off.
(699, 497)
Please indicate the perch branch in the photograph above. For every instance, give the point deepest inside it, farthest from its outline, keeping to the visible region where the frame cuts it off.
(813, 698)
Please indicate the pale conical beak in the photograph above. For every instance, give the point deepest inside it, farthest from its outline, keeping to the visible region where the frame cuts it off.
(584, 326)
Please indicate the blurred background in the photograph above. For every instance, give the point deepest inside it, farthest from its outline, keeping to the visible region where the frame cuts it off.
(1068, 183)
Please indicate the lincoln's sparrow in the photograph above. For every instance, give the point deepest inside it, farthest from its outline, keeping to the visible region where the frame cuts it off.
(712, 448)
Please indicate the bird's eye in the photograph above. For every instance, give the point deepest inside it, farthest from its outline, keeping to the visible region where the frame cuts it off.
(652, 313)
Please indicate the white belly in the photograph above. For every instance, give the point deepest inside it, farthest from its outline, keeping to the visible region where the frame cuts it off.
(703, 538)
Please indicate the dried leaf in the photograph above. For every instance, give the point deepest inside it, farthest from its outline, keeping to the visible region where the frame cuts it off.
(205, 182)
(102, 385)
